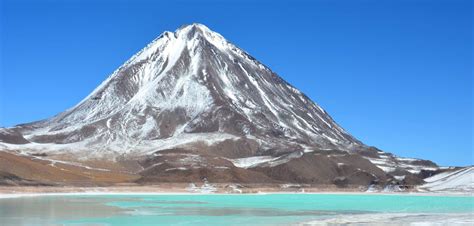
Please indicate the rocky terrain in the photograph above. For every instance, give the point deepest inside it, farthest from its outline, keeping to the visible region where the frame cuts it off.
(192, 106)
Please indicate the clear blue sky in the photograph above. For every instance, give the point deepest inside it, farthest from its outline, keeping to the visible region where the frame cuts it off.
(398, 75)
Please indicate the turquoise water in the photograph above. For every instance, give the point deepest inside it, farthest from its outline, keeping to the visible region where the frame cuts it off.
(274, 209)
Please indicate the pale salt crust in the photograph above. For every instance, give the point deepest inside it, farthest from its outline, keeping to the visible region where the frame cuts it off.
(397, 219)
(94, 192)
(5, 196)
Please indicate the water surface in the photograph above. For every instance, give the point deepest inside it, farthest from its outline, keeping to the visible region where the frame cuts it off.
(274, 209)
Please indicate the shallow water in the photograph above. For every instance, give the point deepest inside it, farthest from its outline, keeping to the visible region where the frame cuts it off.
(274, 209)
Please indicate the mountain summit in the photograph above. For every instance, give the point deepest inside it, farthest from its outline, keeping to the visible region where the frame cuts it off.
(191, 84)
(191, 101)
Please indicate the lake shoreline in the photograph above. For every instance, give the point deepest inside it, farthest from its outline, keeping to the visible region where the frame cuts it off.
(32, 191)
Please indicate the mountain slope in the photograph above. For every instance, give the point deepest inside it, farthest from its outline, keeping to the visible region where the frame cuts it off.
(193, 100)
(187, 82)
(460, 180)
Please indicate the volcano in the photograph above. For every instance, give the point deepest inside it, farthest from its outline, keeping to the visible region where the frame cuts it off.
(192, 106)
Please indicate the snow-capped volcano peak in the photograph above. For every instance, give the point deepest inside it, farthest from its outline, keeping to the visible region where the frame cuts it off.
(192, 84)
(189, 31)
(191, 105)
(191, 34)
(196, 30)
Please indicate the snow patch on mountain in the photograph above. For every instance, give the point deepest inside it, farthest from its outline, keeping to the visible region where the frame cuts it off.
(461, 180)
(390, 163)
(264, 161)
(146, 147)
